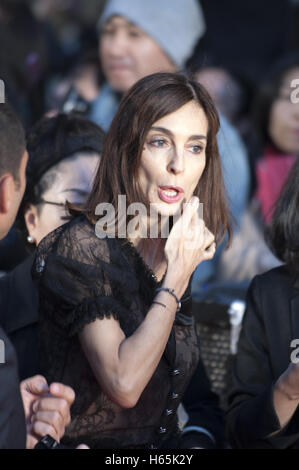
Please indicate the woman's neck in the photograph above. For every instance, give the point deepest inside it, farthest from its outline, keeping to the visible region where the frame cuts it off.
(152, 252)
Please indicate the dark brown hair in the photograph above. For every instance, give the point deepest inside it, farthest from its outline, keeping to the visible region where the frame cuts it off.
(146, 102)
(267, 94)
(283, 233)
(50, 141)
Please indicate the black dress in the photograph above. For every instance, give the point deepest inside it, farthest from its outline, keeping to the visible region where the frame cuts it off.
(82, 278)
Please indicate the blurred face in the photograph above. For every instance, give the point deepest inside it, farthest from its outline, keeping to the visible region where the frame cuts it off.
(128, 54)
(224, 90)
(13, 192)
(72, 181)
(174, 158)
(284, 117)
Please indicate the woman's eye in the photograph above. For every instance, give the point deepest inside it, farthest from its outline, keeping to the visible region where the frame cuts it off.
(196, 148)
(158, 142)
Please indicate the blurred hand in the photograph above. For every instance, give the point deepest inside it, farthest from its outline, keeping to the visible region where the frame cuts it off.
(288, 382)
(47, 409)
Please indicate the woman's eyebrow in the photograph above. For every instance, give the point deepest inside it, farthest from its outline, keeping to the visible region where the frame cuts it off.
(168, 132)
(162, 129)
(198, 137)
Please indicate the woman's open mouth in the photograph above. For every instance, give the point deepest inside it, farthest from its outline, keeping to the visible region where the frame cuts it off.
(170, 194)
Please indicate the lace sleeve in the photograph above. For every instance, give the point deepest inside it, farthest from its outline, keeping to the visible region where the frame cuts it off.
(80, 278)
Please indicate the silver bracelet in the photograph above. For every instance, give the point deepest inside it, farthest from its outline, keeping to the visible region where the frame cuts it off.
(171, 292)
(158, 303)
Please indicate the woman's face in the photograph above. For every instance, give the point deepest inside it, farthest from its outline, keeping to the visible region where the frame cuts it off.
(174, 158)
(70, 180)
(284, 117)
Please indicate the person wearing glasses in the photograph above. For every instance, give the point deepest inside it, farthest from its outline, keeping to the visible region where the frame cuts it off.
(64, 152)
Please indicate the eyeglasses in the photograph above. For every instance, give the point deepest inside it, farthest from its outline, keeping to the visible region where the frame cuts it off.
(59, 204)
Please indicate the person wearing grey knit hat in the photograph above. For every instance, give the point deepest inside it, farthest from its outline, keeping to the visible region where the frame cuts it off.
(168, 32)
(138, 38)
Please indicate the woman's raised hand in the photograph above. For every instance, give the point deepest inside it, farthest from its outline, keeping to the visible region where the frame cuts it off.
(188, 244)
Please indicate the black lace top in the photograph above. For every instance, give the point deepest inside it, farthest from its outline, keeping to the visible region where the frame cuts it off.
(82, 278)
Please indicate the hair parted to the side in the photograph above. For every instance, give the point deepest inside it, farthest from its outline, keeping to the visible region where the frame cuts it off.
(12, 141)
(150, 99)
(282, 234)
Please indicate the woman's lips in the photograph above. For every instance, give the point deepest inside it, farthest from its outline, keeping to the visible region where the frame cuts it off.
(170, 194)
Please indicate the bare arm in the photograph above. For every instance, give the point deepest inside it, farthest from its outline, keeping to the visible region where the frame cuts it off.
(123, 366)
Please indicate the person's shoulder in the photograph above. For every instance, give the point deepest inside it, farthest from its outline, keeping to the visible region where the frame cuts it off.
(279, 273)
(75, 231)
(76, 240)
(79, 229)
(276, 283)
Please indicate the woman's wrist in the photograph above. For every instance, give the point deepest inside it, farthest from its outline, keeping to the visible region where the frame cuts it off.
(171, 281)
(165, 299)
(171, 292)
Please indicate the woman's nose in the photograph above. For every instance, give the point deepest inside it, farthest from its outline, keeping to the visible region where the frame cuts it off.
(177, 162)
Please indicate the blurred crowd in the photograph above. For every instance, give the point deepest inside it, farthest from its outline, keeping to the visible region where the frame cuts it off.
(245, 55)
(66, 64)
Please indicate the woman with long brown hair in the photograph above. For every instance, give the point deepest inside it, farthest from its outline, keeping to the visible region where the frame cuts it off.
(115, 312)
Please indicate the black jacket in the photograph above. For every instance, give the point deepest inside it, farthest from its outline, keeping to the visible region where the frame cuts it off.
(19, 315)
(271, 322)
(12, 419)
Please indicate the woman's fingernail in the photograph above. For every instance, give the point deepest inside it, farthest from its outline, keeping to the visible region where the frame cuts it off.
(43, 387)
(34, 407)
(194, 201)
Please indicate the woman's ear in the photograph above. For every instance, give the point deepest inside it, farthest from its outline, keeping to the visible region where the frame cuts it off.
(31, 220)
(7, 193)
